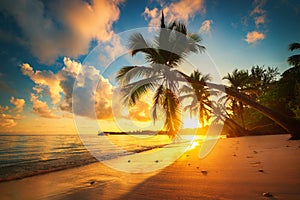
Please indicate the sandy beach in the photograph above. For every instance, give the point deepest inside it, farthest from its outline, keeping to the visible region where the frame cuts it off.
(237, 168)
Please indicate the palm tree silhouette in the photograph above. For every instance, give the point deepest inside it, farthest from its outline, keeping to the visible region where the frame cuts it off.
(294, 60)
(238, 80)
(163, 55)
(200, 104)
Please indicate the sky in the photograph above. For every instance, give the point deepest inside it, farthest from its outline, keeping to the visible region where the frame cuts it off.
(48, 46)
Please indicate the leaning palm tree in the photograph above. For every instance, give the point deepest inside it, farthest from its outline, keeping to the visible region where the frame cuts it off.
(199, 94)
(165, 54)
(294, 60)
(238, 80)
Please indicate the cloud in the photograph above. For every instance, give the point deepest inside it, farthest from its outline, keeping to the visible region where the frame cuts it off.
(7, 120)
(110, 50)
(45, 78)
(54, 28)
(19, 103)
(8, 115)
(93, 92)
(92, 95)
(82, 86)
(260, 20)
(206, 26)
(254, 36)
(259, 17)
(41, 108)
(258, 4)
(182, 10)
(140, 112)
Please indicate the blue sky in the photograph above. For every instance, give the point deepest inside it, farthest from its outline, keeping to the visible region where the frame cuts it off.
(52, 38)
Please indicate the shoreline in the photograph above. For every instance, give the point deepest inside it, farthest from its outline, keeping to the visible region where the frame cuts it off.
(237, 168)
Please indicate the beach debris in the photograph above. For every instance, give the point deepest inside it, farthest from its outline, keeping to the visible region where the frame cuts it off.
(255, 152)
(156, 161)
(267, 194)
(261, 170)
(287, 146)
(204, 172)
(92, 182)
(234, 155)
(189, 164)
(129, 161)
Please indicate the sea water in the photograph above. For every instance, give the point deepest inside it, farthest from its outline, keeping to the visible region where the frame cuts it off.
(28, 155)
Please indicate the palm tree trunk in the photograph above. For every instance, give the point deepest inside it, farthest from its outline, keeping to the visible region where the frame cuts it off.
(289, 124)
(242, 114)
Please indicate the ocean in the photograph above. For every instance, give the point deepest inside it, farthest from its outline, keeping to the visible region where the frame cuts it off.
(28, 155)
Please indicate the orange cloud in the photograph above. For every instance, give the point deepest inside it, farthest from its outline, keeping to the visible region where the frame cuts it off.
(7, 120)
(258, 4)
(254, 36)
(19, 103)
(8, 117)
(79, 23)
(140, 112)
(41, 108)
(182, 10)
(44, 78)
(260, 20)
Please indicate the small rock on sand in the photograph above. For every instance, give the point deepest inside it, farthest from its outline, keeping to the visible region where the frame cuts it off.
(267, 194)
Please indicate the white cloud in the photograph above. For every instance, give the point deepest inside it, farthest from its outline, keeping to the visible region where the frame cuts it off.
(254, 36)
(182, 10)
(206, 26)
(111, 50)
(55, 28)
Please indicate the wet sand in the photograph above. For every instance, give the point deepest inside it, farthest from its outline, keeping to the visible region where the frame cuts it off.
(258, 167)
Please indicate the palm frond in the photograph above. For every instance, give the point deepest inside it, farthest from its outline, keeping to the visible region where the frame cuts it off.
(294, 46)
(181, 98)
(137, 44)
(134, 91)
(185, 89)
(126, 74)
(157, 100)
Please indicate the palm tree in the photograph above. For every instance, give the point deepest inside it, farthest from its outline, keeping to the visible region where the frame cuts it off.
(260, 80)
(294, 59)
(287, 123)
(199, 94)
(238, 80)
(163, 55)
